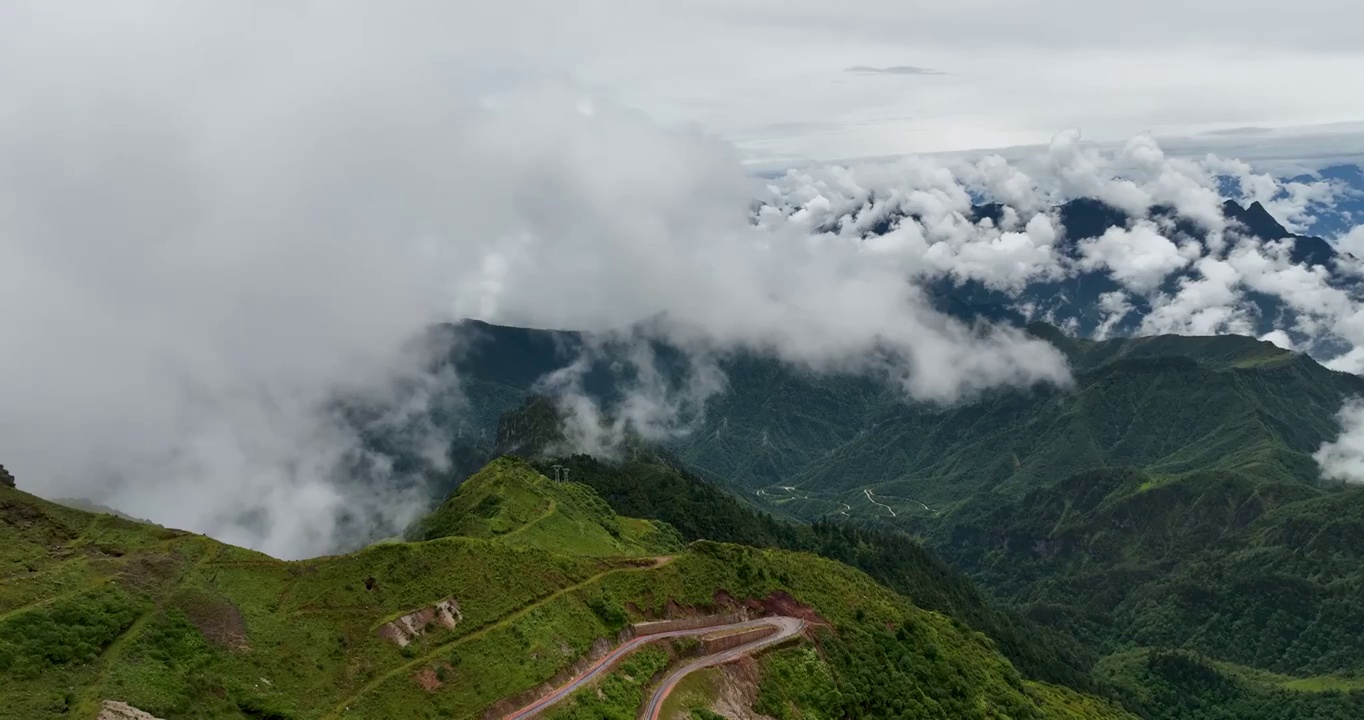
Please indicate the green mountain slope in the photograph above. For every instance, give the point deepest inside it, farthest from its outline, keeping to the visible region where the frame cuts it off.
(1246, 571)
(99, 608)
(1168, 500)
(1166, 404)
(1178, 685)
(653, 487)
(510, 501)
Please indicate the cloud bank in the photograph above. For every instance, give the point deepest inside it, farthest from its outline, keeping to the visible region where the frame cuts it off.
(892, 70)
(221, 232)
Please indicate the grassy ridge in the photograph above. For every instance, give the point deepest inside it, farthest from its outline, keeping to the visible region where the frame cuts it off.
(652, 487)
(185, 627)
(511, 501)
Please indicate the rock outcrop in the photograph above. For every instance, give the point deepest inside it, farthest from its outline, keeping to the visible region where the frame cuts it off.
(115, 710)
(5, 478)
(401, 631)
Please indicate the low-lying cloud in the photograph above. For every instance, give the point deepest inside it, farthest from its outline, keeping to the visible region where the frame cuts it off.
(1343, 459)
(892, 70)
(218, 249)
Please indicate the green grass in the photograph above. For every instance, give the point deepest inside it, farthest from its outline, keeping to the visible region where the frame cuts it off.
(510, 501)
(188, 628)
(619, 695)
(693, 695)
(1324, 684)
(796, 684)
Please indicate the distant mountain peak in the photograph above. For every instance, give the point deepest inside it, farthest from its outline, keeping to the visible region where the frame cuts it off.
(1089, 218)
(1256, 219)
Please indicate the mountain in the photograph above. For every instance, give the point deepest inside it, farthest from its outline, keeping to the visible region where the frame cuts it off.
(1167, 502)
(1237, 404)
(1240, 404)
(1163, 515)
(778, 426)
(657, 486)
(1251, 572)
(1176, 685)
(510, 501)
(101, 612)
(1076, 302)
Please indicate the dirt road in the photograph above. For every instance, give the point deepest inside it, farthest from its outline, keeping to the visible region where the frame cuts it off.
(786, 628)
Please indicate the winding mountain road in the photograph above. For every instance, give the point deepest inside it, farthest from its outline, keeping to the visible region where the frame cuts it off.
(786, 627)
(873, 501)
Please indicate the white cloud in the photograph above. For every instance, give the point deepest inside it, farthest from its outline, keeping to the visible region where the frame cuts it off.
(209, 240)
(1083, 172)
(1003, 261)
(1343, 458)
(651, 408)
(1278, 338)
(1140, 258)
(1351, 361)
(1139, 175)
(1115, 307)
(1294, 204)
(1208, 304)
(1268, 269)
(1353, 242)
(1004, 183)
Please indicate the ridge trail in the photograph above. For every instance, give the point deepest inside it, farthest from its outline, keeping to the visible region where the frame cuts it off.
(344, 705)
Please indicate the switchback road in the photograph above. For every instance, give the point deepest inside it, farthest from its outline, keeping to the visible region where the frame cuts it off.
(786, 627)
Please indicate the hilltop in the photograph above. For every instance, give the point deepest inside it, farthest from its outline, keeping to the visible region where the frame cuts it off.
(509, 501)
(97, 608)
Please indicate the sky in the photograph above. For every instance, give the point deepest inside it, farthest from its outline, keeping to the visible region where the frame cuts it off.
(802, 80)
(774, 77)
(216, 219)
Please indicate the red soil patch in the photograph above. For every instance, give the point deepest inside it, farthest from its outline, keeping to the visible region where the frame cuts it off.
(781, 603)
(217, 619)
(428, 680)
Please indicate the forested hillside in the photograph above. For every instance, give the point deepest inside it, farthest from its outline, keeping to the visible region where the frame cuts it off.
(1167, 502)
(1167, 404)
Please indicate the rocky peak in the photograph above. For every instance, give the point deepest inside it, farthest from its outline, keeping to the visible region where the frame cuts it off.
(1256, 220)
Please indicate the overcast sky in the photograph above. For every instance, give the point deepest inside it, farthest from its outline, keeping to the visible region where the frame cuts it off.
(774, 75)
(799, 78)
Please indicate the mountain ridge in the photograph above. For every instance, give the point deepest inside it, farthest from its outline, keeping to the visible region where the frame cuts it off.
(1142, 484)
(222, 631)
